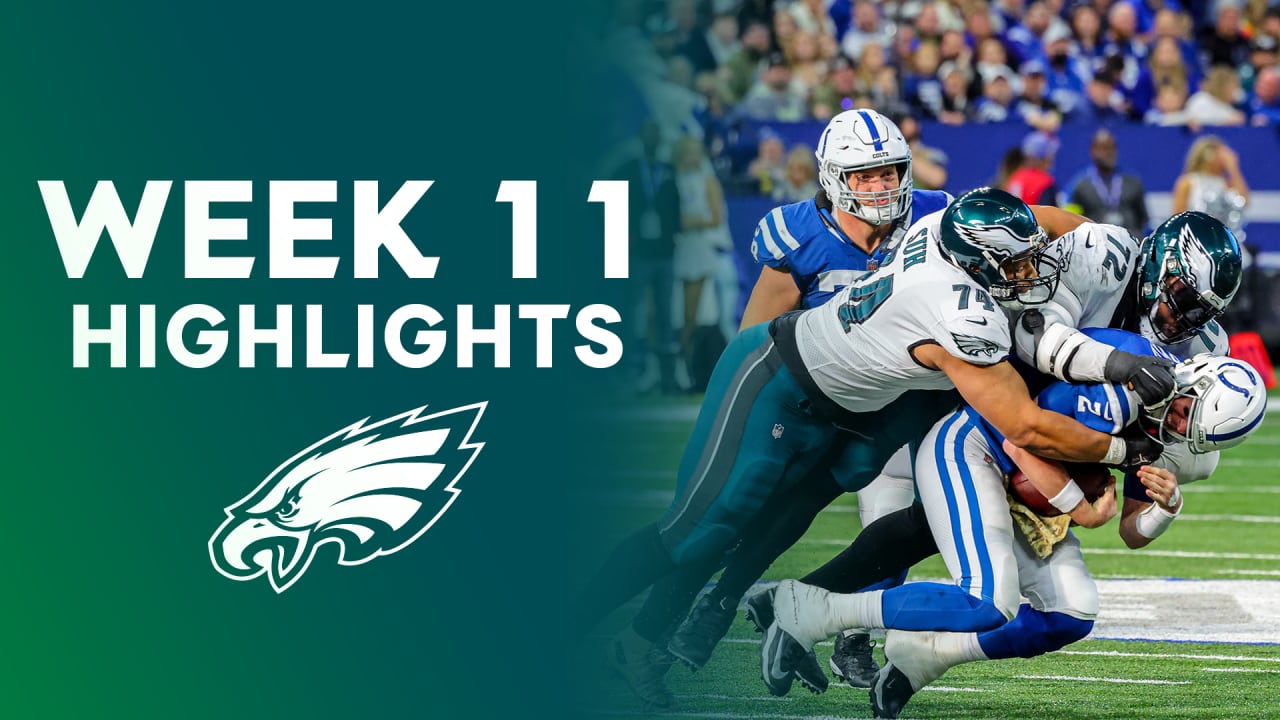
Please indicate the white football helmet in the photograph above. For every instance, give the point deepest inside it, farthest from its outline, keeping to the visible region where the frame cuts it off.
(862, 139)
(1228, 402)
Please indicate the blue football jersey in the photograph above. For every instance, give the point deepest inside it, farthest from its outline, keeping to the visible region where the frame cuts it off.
(1099, 406)
(806, 241)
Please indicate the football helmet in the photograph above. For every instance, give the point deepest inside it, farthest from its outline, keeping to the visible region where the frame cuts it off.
(992, 236)
(1228, 402)
(863, 139)
(1190, 272)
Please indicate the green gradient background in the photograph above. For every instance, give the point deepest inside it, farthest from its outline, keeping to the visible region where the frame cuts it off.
(115, 479)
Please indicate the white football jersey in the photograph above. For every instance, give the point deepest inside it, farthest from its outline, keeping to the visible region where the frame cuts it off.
(857, 346)
(1098, 262)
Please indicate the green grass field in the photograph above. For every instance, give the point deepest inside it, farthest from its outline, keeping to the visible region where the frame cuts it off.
(1189, 627)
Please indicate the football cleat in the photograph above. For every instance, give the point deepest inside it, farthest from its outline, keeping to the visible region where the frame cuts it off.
(643, 670)
(699, 634)
(852, 661)
(890, 692)
(787, 651)
(760, 608)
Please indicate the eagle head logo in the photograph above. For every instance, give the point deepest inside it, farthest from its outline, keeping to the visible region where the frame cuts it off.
(371, 489)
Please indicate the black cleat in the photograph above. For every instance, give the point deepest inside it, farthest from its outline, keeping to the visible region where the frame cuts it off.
(783, 660)
(644, 671)
(852, 661)
(890, 692)
(699, 634)
(760, 608)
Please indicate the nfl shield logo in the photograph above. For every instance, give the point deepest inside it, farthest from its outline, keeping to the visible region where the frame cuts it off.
(777, 431)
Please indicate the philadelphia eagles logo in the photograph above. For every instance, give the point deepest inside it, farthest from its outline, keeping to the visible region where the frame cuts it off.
(1196, 260)
(371, 489)
(989, 238)
(973, 345)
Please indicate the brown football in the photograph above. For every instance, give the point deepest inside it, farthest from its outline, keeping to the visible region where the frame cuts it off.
(1091, 477)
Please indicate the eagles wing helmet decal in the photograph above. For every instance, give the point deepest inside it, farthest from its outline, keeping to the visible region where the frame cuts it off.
(371, 489)
(973, 345)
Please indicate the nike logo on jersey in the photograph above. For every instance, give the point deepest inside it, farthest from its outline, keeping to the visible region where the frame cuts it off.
(1088, 240)
(982, 321)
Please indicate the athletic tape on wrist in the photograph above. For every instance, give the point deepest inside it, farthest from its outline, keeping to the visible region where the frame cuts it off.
(1115, 452)
(1068, 498)
(1153, 521)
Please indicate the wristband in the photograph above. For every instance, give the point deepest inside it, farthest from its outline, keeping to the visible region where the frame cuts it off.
(1153, 521)
(1068, 498)
(1115, 453)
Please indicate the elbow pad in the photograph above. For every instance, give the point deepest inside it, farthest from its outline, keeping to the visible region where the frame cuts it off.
(1060, 350)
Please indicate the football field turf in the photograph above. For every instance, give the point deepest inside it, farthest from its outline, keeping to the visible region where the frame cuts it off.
(1189, 627)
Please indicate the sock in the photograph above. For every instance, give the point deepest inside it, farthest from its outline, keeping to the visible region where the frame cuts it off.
(853, 610)
(884, 549)
(636, 563)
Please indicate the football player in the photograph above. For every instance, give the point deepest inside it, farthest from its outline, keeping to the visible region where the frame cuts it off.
(782, 395)
(1170, 287)
(808, 251)
(960, 474)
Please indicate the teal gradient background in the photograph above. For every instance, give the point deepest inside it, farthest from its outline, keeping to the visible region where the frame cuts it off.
(115, 479)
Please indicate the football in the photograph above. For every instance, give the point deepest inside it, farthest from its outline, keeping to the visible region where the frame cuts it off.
(1091, 477)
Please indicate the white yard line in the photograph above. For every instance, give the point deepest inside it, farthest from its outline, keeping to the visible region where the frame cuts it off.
(1241, 670)
(1121, 681)
(1185, 656)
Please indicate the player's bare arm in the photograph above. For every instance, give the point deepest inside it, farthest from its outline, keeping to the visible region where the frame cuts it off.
(1051, 479)
(999, 394)
(775, 293)
(1056, 221)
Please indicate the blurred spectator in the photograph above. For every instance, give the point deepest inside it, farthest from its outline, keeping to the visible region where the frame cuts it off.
(807, 69)
(928, 164)
(921, 85)
(773, 98)
(996, 102)
(1065, 74)
(1121, 35)
(769, 169)
(1264, 105)
(811, 16)
(838, 93)
(1170, 107)
(1033, 106)
(1262, 54)
(722, 37)
(784, 28)
(655, 220)
(704, 229)
(1213, 103)
(1104, 102)
(955, 107)
(1025, 39)
(686, 37)
(977, 24)
(1107, 195)
(1223, 43)
(1032, 181)
(990, 58)
(755, 11)
(738, 73)
(1167, 66)
(952, 48)
(1086, 27)
(867, 28)
(801, 181)
(927, 23)
(1009, 164)
(1211, 181)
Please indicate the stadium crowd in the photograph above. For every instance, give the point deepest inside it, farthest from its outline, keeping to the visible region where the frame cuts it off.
(725, 70)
